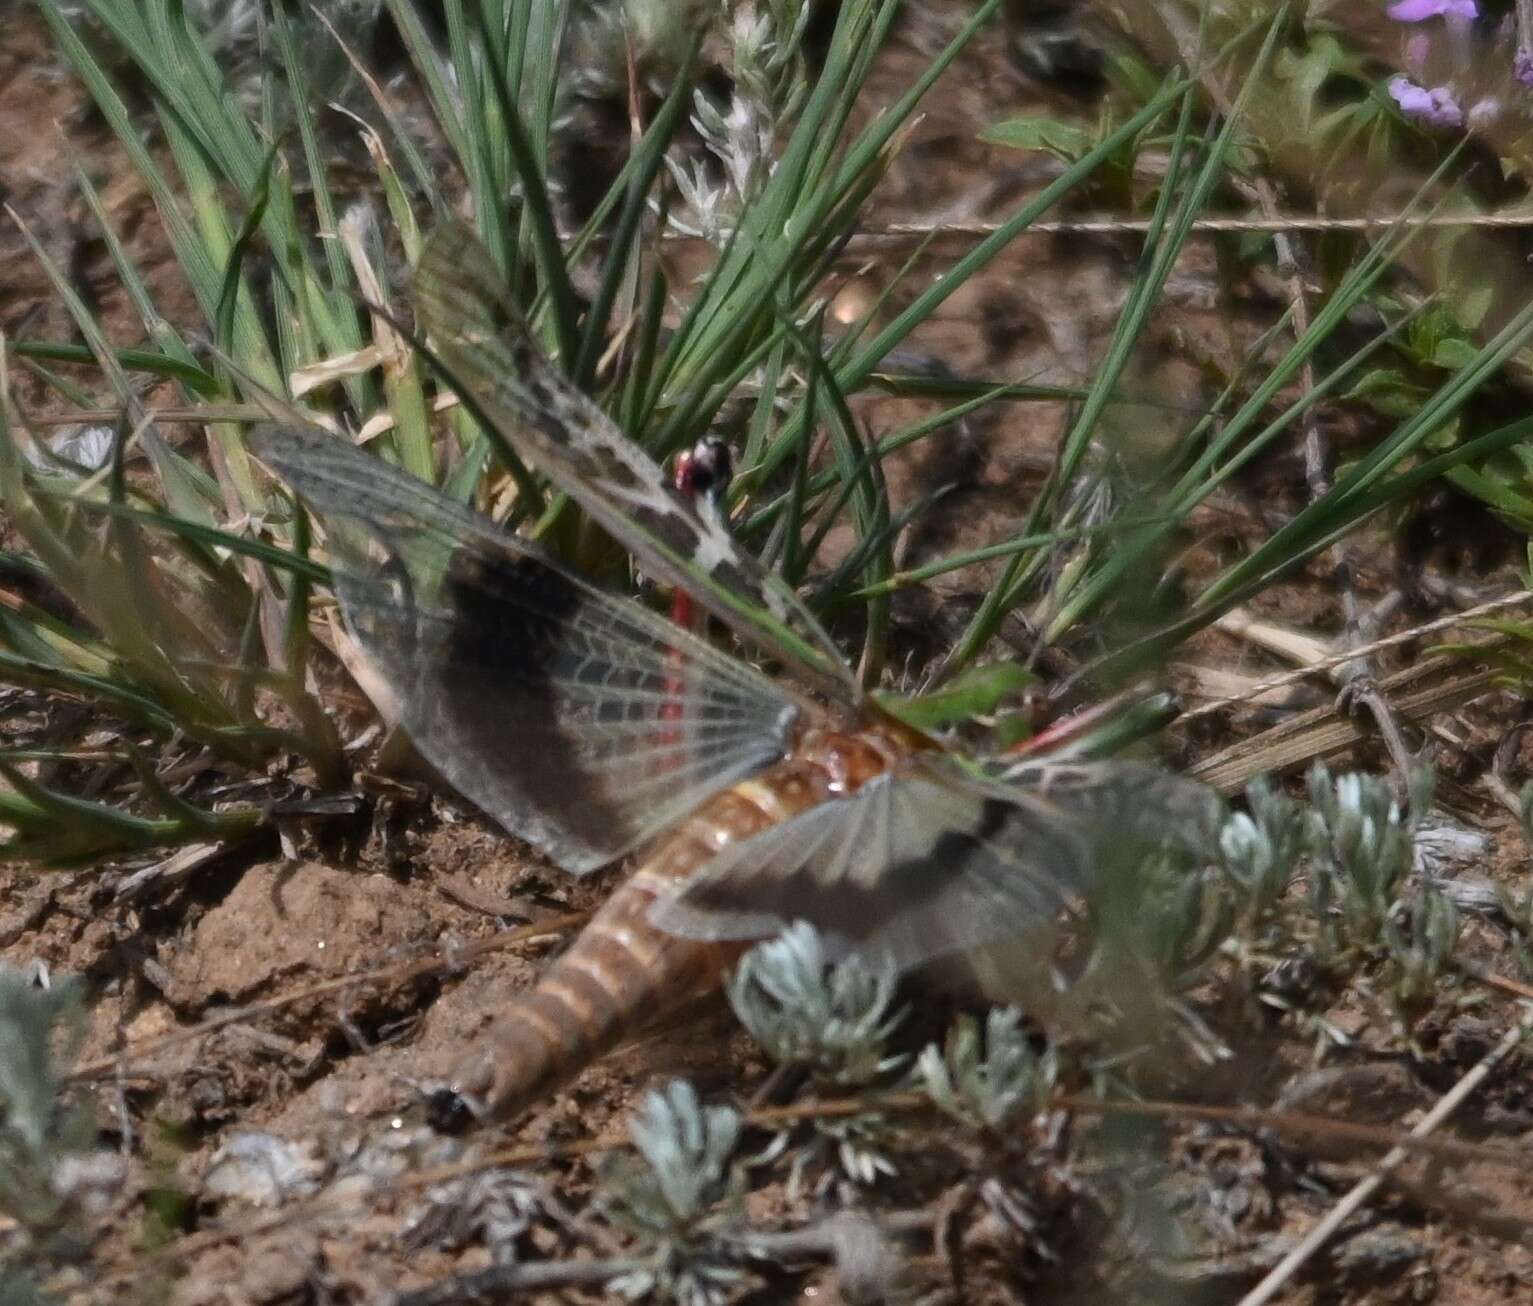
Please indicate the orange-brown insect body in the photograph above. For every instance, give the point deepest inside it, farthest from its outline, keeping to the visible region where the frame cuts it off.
(623, 974)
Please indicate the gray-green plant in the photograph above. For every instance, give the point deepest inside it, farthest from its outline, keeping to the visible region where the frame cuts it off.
(31, 1018)
(992, 1079)
(739, 133)
(52, 1178)
(1419, 946)
(1517, 904)
(675, 1195)
(1156, 920)
(1259, 850)
(833, 1018)
(1360, 845)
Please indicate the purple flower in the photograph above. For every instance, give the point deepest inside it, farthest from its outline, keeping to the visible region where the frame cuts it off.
(1434, 105)
(1417, 11)
(1522, 65)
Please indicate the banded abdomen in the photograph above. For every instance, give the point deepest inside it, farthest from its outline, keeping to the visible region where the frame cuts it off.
(623, 974)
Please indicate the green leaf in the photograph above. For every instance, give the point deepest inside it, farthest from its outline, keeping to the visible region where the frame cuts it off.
(1454, 352)
(1387, 390)
(1067, 140)
(978, 691)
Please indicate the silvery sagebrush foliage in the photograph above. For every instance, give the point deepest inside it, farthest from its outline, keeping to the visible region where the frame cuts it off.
(1420, 949)
(1165, 911)
(1259, 849)
(1190, 918)
(81, 450)
(50, 1172)
(768, 88)
(30, 1008)
(1181, 917)
(263, 1168)
(493, 1208)
(676, 1195)
(832, 1019)
(31, 1143)
(803, 1010)
(653, 33)
(757, 46)
(987, 1082)
(1517, 906)
(1360, 845)
(858, 1145)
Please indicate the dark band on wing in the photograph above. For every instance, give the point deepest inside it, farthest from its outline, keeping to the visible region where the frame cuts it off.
(500, 704)
(959, 888)
(578, 719)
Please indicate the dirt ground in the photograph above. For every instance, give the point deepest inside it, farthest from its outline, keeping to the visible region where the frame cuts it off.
(263, 1028)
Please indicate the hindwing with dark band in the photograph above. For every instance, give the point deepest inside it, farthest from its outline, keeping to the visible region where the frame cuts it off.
(580, 720)
(481, 341)
(931, 860)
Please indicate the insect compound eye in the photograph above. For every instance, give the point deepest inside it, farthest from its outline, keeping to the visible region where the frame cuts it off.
(705, 470)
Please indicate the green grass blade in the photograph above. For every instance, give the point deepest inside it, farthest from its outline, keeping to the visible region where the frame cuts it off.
(537, 209)
(133, 360)
(649, 158)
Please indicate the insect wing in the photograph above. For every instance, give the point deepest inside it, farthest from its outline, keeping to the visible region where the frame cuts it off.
(932, 861)
(579, 720)
(1129, 806)
(484, 345)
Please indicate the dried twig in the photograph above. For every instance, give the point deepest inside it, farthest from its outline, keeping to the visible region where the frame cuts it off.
(194, 413)
(1108, 225)
(456, 888)
(1363, 694)
(1436, 685)
(1350, 655)
(827, 1238)
(1364, 1189)
(1296, 646)
(1298, 1124)
(504, 1280)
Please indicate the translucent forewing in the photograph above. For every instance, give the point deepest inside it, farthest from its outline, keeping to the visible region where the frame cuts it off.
(580, 720)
